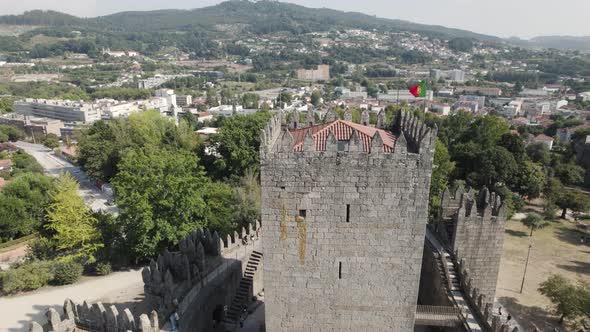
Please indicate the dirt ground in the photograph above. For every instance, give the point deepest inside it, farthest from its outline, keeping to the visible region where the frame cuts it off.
(556, 249)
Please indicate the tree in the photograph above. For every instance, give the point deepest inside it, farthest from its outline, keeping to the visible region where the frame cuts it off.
(534, 221)
(461, 44)
(569, 173)
(161, 198)
(316, 97)
(6, 105)
(572, 199)
(443, 166)
(569, 300)
(284, 98)
(247, 197)
(102, 146)
(250, 100)
(70, 224)
(51, 141)
(238, 143)
(539, 153)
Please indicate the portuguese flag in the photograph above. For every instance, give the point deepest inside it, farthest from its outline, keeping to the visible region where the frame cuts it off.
(419, 90)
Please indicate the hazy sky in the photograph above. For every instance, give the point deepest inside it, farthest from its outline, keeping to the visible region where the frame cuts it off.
(523, 18)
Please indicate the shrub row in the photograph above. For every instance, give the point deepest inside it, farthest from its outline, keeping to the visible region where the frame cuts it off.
(32, 275)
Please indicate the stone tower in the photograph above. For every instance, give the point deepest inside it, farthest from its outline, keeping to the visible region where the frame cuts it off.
(344, 211)
(476, 234)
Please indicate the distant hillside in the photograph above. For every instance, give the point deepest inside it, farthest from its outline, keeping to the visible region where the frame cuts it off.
(563, 42)
(42, 17)
(262, 17)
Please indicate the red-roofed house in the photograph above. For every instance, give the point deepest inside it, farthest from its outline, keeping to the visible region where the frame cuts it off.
(342, 132)
(547, 140)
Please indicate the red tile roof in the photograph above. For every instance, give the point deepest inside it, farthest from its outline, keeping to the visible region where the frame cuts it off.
(342, 131)
(543, 137)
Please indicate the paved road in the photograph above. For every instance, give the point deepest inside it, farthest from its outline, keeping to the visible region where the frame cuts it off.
(53, 165)
(17, 312)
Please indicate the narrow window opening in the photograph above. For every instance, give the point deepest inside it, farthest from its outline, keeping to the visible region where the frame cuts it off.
(339, 270)
(347, 212)
(302, 213)
(283, 188)
(310, 123)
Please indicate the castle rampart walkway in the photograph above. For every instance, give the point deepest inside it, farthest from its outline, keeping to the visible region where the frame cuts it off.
(456, 294)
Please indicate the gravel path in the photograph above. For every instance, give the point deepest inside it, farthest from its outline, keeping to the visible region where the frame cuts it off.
(118, 287)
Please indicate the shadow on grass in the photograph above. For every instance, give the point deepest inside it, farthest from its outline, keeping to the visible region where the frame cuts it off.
(516, 233)
(571, 236)
(577, 267)
(529, 317)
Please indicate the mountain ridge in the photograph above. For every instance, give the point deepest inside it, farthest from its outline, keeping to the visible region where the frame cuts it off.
(263, 15)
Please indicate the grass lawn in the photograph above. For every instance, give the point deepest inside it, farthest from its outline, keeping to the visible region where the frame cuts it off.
(556, 250)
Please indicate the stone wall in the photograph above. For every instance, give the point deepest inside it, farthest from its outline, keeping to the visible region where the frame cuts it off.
(95, 317)
(169, 278)
(344, 230)
(478, 235)
(202, 276)
(482, 304)
(433, 289)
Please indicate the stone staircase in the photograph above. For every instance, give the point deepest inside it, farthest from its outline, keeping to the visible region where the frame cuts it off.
(232, 317)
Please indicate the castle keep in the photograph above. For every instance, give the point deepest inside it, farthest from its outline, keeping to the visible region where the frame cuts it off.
(344, 207)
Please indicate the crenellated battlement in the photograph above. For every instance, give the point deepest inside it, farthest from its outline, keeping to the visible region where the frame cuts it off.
(95, 317)
(416, 133)
(473, 226)
(482, 303)
(408, 137)
(173, 275)
(487, 206)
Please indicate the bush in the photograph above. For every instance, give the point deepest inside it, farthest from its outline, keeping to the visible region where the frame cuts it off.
(67, 272)
(41, 249)
(28, 276)
(103, 268)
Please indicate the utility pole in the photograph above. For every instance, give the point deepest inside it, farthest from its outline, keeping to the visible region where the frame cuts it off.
(526, 264)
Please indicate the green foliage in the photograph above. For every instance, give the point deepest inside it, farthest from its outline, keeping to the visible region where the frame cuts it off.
(22, 204)
(28, 276)
(316, 97)
(442, 168)
(539, 153)
(160, 195)
(461, 44)
(237, 143)
(51, 141)
(67, 272)
(570, 173)
(569, 300)
(70, 224)
(221, 204)
(102, 146)
(41, 249)
(103, 268)
(571, 199)
(250, 100)
(6, 105)
(247, 195)
(534, 221)
(13, 134)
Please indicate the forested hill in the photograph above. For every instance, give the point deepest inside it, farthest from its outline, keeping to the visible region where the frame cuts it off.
(261, 17)
(43, 17)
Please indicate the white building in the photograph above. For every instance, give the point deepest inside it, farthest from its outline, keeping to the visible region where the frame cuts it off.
(456, 75)
(403, 95)
(64, 110)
